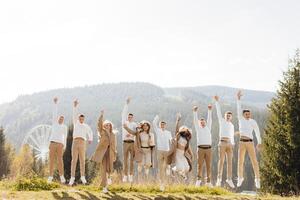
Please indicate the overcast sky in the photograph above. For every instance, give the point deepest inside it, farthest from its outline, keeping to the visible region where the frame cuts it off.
(54, 44)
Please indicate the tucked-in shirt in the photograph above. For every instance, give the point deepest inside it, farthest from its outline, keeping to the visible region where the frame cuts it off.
(59, 132)
(203, 133)
(226, 128)
(130, 125)
(247, 126)
(163, 137)
(81, 130)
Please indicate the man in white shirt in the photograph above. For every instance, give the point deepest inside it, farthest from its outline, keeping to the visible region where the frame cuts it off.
(57, 144)
(203, 131)
(164, 138)
(128, 142)
(81, 133)
(226, 143)
(247, 125)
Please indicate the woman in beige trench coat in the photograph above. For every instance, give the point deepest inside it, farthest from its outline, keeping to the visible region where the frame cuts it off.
(105, 153)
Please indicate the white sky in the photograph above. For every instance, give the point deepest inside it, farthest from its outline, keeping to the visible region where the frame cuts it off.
(65, 43)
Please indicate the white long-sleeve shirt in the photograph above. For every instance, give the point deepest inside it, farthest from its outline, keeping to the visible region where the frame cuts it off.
(163, 137)
(203, 133)
(59, 132)
(81, 130)
(226, 128)
(247, 126)
(131, 125)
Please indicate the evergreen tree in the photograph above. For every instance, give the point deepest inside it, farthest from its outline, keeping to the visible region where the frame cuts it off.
(67, 157)
(281, 154)
(3, 156)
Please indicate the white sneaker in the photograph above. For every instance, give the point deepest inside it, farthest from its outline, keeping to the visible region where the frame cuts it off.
(219, 182)
(109, 181)
(198, 183)
(209, 185)
(257, 183)
(230, 183)
(62, 179)
(105, 190)
(50, 179)
(72, 181)
(162, 188)
(124, 179)
(83, 180)
(130, 178)
(240, 182)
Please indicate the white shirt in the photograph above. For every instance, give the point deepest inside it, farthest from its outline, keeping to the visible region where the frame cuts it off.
(247, 126)
(203, 134)
(131, 125)
(59, 132)
(81, 130)
(164, 137)
(226, 128)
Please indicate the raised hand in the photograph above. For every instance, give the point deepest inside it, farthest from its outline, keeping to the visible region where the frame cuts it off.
(178, 117)
(76, 102)
(102, 112)
(209, 107)
(128, 100)
(195, 108)
(239, 94)
(55, 100)
(217, 98)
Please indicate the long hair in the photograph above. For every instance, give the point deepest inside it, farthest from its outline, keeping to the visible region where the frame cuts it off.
(185, 134)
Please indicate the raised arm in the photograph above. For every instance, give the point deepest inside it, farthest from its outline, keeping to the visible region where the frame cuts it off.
(196, 120)
(218, 108)
(239, 106)
(75, 111)
(257, 132)
(178, 118)
(100, 122)
(209, 116)
(125, 111)
(155, 124)
(55, 111)
(132, 132)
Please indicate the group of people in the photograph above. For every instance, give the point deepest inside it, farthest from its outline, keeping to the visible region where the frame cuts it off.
(174, 154)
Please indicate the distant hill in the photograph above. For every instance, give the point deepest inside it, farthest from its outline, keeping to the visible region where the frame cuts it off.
(27, 111)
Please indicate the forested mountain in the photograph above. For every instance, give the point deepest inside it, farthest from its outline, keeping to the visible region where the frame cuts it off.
(148, 100)
(27, 111)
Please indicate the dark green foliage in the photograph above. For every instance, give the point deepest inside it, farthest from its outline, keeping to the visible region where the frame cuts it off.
(34, 184)
(281, 155)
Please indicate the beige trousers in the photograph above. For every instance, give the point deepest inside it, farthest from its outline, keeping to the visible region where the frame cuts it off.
(128, 152)
(204, 155)
(225, 150)
(78, 151)
(105, 168)
(243, 148)
(162, 165)
(56, 155)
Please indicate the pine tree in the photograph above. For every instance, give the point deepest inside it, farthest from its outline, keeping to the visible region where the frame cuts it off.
(3, 156)
(281, 154)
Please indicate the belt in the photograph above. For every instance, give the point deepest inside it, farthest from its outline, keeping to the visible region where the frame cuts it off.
(128, 141)
(146, 147)
(225, 141)
(246, 140)
(55, 142)
(204, 147)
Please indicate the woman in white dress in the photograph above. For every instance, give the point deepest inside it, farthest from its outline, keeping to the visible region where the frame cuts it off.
(181, 154)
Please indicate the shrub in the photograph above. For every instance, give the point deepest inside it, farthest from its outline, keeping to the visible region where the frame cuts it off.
(35, 184)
